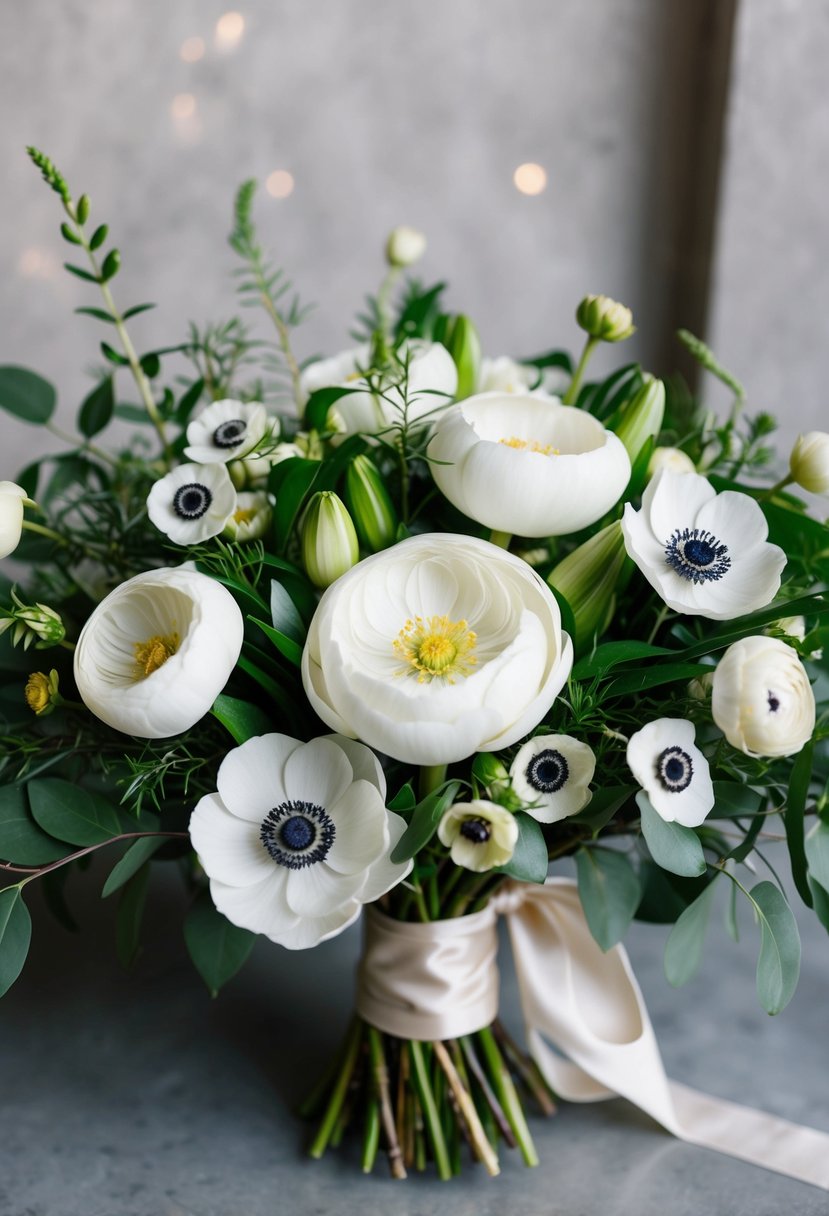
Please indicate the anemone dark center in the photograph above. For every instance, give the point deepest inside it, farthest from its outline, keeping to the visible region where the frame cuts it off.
(297, 834)
(192, 500)
(476, 830)
(773, 702)
(230, 434)
(548, 771)
(697, 555)
(674, 769)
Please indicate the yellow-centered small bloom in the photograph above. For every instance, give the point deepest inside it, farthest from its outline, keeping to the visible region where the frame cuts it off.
(436, 648)
(478, 834)
(41, 692)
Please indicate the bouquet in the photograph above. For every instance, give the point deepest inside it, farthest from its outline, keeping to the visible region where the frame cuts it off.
(389, 633)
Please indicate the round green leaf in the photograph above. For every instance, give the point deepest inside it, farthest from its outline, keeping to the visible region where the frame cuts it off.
(21, 841)
(70, 813)
(26, 395)
(15, 935)
(218, 948)
(672, 846)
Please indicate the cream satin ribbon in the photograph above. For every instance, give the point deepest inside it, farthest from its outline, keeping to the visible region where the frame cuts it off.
(440, 980)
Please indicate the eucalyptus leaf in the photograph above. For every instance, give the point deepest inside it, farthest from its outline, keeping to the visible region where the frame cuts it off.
(242, 719)
(683, 949)
(609, 890)
(529, 860)
(97, 409)
(15, 936)
(778, 966)
(672, 846)
(816, 847)
(26, 395)
(218, 948)
(136, 855)
(22, 842)
(424, 822)
(733, 799)
(70, 813)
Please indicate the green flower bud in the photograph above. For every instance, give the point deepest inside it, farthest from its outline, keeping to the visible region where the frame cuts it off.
(32, 623)
(462, 341)
(587, 579)
(405, 246)
(809, 462)
(641, 419)
(369, 504)
(329, 541)
(605, 319)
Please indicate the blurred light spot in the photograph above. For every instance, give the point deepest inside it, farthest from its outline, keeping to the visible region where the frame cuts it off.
(229, 30)
(192, 49)
(183, 106)
(280, 183)
(35, 263)
(530, 178)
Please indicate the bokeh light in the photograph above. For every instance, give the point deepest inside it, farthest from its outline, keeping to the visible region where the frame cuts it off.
(192, 50)
(36, 263)
(183, 106)
(280, 183)
(229, 30)
(530, 178)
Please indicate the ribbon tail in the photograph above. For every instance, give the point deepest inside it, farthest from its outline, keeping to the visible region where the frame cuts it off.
(589, 1006)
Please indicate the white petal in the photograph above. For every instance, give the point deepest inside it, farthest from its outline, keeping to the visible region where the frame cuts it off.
(262, 908)
(673, 500)
(316, 890)
(384, 874)
(318, 772)
(308, 932)
(364, 763)
(228, 848)
(360, 829)
(251, 777)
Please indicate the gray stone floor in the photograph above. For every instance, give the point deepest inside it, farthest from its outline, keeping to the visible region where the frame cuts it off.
(135, 1095)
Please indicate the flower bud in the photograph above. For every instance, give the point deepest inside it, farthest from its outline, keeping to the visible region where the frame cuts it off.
(462, 341)
(42, 693)
(605, 319)
(791, 626)
(673, 459)
(642, 417)
(32, 623)
(491, 772)
(12, 500)
(369, 504)
(405, 246)
(587, 579)
(700, 688)
(762, 700)
(329, 541)
(809, 462)
(252, 517)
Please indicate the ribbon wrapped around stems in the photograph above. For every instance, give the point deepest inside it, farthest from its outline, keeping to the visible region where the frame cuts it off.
(440, 980)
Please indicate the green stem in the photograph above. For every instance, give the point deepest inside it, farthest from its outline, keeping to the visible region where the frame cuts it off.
(371, 1135)
(335, 1105)
(431, 776)
(284, 345)
(41, 530)
(501, 539)
(77, 442)
(775, 489)
(431, 1115)
(661, 617)
(575, 384)
(507, 1095)
(384, 312)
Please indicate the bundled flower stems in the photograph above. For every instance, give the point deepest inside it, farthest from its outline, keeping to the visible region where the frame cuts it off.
(421, 637)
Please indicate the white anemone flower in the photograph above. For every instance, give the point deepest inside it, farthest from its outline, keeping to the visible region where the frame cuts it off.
(478, 834)
(227, 430)
(12, 501)
(432, 383)
(436, 648)
(297, 837)
(156, 653)
(192, 503)
(551, 775)
(525, 464)
(706, 554)
(672, 771)
(762, 700)
(252, 517)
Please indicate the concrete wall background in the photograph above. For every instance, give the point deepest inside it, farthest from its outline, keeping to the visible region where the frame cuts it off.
(420, 115)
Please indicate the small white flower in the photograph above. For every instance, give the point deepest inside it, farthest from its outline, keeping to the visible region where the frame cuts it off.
(297, 837)
(551, 774)
(672, 771)
(12, 498)
(478, 834)
(405, 246)
(504, 375)
(670, 458)
(227, 430)
(192, 503)
(436, 648)
(706, 554)
(809, 462)
(156, 653)
(762, 700)
(252, 516)
(525, 464)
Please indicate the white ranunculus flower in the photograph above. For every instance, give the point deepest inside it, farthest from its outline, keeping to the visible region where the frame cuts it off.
(436, 648)
(432, 382)
(672, 771)
(526, 464)
(478, 834)
(227, 430)
(192, 503)
(252, 517)
(809, 462)
(762, 700)
(551, 774)
(156, 653)
(505, 375)
(670, 458)
(297, 838)
(706, 554)
(12, 498)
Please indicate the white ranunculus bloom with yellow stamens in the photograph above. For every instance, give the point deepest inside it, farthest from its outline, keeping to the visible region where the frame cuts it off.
(525, 464)
(478, 834)
(156, 653)
(297, 837)
(227, 430)
(439, 647)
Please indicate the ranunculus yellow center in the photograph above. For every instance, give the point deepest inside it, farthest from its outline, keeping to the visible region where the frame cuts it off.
(436, 648)
(530, 445)
(154, 653)
(243, 515)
